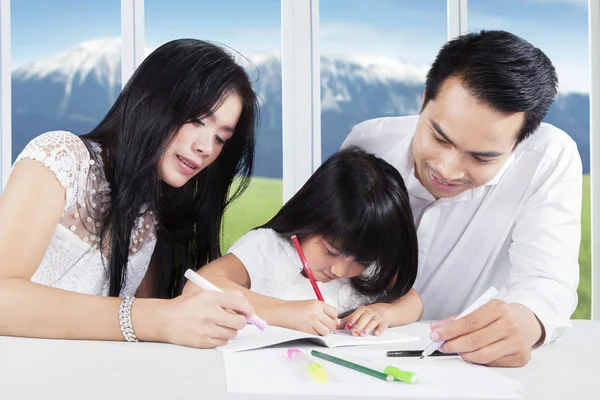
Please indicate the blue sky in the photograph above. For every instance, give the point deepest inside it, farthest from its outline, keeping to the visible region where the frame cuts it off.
(412, 30)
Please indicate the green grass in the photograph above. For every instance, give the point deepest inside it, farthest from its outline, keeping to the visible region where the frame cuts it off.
(263, 198)
(584, 290)
(259, 203)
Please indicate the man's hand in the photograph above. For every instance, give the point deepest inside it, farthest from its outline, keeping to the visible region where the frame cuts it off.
(496, 334)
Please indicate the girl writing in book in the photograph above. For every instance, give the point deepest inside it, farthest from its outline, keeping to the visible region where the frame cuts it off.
(356, 229)
(88, 223)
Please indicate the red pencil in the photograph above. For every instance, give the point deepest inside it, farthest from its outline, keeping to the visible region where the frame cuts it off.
(307, 270)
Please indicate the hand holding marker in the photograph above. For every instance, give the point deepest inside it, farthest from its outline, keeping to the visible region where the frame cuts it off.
(206, 285)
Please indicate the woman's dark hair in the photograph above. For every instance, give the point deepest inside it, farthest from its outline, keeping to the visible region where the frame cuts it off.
(180, 81)
(501, 70)
(359, 203)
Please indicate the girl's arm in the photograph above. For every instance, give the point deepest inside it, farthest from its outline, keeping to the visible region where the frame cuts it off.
(376, 318)
(229, 274)
(407, 309)
(30, 209)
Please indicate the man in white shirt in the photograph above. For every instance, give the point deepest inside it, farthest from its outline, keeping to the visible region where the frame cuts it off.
(495, 195)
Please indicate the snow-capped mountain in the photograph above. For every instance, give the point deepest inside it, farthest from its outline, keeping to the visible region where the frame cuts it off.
(74, 89)
(77, 83)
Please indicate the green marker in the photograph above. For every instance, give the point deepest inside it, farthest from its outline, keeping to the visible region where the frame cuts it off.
(397, 373)
(351, 365)
(404, 376)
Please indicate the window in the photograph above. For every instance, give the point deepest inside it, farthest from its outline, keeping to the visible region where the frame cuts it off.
(66, 66)
(567, 47)
(251, 29)
(374, 58)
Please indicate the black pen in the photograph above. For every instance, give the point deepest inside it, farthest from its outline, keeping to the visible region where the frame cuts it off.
(416, 353)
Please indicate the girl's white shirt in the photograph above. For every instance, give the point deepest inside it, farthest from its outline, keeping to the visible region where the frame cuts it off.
(275, 269)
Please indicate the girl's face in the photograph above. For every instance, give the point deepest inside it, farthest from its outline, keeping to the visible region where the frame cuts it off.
(199, 142)
(327, 263)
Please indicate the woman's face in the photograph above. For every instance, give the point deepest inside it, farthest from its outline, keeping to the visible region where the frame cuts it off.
(199, 142)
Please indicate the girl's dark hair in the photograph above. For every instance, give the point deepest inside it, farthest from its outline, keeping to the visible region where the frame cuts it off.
(178, 82)
(359, 203)
(500, 69)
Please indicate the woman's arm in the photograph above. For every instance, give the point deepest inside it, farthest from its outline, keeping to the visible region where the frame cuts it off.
(30, 209)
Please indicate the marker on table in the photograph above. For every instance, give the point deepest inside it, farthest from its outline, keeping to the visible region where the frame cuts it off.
(307, 270)
(351, 365)
(206, 285)
(315, 371)
(484, 298)
(390, 373)
(417, 353)
(397, 373)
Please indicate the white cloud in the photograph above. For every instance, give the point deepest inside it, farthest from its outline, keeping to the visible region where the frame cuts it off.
(477, 20)
(265, 33)
(346, 39)
(244, 40)
(370, 42)
(578, 3)
(567, 48)
(572, 77)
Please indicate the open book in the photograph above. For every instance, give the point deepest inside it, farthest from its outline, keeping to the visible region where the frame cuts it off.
(251, 338)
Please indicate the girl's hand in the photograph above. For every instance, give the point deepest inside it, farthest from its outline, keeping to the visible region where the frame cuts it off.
(203, 319)
(310, 316)
(367, 319)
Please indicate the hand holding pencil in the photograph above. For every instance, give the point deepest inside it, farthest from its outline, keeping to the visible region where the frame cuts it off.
(310, 316)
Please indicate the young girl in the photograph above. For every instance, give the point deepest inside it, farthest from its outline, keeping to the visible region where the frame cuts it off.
(355, 226)
(124, 210)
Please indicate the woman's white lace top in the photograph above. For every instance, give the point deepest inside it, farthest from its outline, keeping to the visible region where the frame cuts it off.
(73, 260)
(275, 268)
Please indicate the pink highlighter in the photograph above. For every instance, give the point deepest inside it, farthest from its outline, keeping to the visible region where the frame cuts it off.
(314, 371)
(206, 285)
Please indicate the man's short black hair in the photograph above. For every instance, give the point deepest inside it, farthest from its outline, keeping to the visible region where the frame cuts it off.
(500, 69)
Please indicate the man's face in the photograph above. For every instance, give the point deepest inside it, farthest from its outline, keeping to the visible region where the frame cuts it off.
(461, 143)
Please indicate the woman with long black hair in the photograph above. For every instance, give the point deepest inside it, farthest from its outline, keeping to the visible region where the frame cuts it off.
(89, 222)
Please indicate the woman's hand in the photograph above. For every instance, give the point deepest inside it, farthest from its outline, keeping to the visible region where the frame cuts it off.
(367, 319)
(310, 316)
(202, 319)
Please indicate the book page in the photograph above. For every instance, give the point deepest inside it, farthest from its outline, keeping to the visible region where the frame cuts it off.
(252, 338)
(345, 338)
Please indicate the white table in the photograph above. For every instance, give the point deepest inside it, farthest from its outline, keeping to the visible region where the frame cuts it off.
(54, 369)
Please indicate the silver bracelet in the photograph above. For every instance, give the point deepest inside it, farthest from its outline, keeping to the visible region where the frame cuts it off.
(125, 319)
